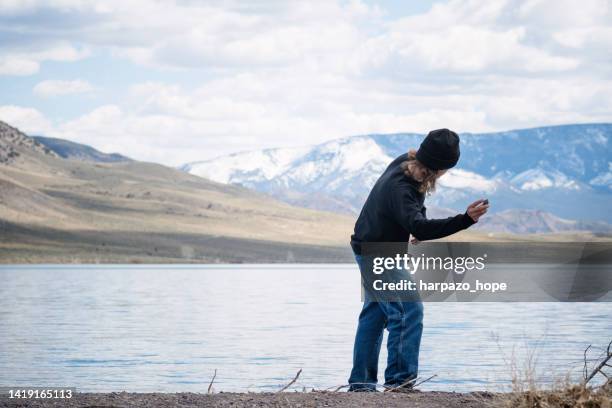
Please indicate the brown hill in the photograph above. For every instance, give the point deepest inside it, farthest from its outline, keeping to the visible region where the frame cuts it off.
(58, 210)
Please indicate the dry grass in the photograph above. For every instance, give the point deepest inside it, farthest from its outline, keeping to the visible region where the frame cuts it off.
(570, 395)
(528, 393)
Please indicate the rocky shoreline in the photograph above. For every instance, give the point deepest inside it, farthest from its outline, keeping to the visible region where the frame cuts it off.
(285, 399)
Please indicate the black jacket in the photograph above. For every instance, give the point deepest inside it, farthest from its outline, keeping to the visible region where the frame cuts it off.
(394, 210)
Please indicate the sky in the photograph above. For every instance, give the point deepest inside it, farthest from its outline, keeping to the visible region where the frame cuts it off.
(181, 81)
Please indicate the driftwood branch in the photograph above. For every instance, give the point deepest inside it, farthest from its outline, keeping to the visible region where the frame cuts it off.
(586, 366)
(425, 380)
(292, 381)
(413, 380)
(211, 382)
(607, 358)
(392, 389)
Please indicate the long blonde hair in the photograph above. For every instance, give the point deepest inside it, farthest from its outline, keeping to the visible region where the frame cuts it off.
(428, 185)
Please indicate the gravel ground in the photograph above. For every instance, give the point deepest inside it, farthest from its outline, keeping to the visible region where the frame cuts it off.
(286, 399)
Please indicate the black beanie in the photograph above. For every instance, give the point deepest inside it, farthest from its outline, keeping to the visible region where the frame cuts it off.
(439, 150)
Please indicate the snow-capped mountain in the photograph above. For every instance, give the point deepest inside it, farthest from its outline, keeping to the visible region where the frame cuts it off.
(562, 170)
(332, 176)
(538, 179)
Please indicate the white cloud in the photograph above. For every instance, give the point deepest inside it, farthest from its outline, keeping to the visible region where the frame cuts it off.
(28, 120)
(594, 39)
(27, 62)
(469, 49)
(565, 13)
(15, 65)
(52, 87)
(102, 117)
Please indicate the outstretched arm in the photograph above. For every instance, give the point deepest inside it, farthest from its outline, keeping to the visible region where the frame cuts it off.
(408, 213)
(475, 211)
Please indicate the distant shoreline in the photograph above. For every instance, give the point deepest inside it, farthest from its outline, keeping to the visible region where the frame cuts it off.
(26, 244)
(29, 245)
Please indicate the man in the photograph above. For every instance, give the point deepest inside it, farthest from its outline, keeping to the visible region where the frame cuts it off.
(393, 211)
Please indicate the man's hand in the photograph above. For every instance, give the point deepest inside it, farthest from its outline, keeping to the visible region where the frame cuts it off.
(414, 241)
(477, 209)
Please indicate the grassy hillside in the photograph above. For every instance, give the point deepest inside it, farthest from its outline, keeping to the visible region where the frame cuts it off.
(58, 210)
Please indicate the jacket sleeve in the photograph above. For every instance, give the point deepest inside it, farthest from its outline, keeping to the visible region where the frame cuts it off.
(409, 213)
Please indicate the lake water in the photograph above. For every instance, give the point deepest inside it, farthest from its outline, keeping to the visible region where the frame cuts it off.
(167, 328)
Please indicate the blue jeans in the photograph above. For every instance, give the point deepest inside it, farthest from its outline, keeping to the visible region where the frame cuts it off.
(404, 322)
